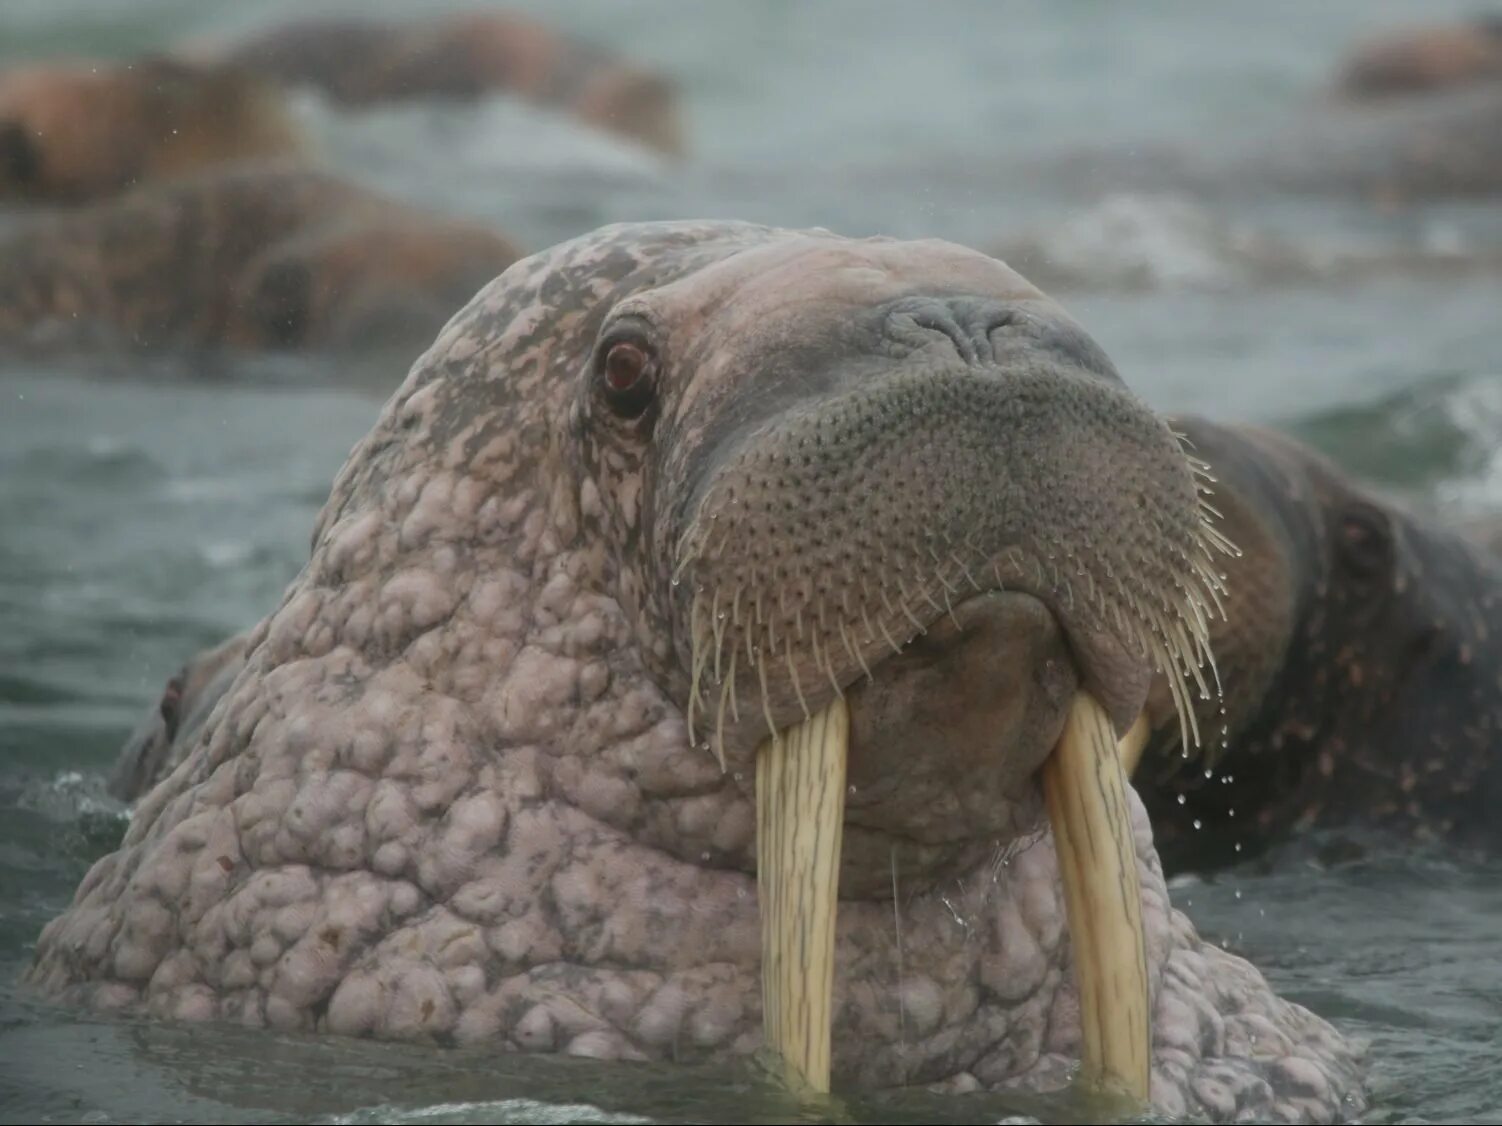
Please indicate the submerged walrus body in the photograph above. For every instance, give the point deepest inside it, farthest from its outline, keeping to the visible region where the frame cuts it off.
(248, 259)
(1362, 664)
(485, 774)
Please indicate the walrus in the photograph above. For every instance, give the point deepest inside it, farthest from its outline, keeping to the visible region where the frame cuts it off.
(249, 258)
(1417, 60)
(1360, 662)
(79, 131)
(486, 772)
(360, 61)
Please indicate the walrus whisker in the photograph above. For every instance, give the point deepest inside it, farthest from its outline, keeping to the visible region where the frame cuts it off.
(949, 609)
(697, 660)
(797, 684)
(719, 721)
(717, 622)
(854, 651)
(907, 610)
(828, 663)
(730, 683)
(960, 563)
(897, 649)
(766, 696)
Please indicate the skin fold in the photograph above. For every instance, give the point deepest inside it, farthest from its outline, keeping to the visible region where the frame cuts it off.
(474, 780)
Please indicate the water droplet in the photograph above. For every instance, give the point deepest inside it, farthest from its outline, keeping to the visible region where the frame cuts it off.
(677, 582)
(1209, 773)
(740, 893)
(1238, 846)
(1198, 823)
(1182, 799)
(1238, 893)
(850, 790)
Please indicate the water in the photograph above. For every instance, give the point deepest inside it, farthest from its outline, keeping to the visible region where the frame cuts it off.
(142, 518)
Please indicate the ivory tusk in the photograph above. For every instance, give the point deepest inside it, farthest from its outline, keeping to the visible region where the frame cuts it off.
(1084, 786)
(800, 819)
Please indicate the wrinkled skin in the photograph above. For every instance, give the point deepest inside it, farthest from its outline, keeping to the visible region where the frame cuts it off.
(252, 258)
(360, 61)
(452, 792)
(78, 132)
(1362, 666)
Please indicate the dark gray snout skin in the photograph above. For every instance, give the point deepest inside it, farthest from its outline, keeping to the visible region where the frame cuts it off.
(462, 788)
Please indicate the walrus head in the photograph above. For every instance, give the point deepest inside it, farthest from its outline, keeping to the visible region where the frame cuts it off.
(898, 473)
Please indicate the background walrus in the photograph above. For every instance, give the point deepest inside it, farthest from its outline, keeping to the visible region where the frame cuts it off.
(363, 61)
(250, 258)
(79, 131)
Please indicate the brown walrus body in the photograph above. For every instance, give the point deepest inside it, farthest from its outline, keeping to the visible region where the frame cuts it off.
(243, 259)
(359, 61)
(1362, 665)
(76, 132)
(1422, 59)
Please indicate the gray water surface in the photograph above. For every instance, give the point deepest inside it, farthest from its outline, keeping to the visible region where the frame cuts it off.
(146, 515)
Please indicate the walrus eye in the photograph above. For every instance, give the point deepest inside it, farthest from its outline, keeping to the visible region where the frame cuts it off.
(629, 374)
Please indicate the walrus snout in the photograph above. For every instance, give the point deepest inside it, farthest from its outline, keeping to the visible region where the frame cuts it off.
(849, 526)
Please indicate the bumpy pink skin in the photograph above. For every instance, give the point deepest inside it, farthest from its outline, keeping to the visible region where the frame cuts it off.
(444, 801)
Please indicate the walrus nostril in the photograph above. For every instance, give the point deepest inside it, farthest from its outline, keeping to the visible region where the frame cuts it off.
(967, 322)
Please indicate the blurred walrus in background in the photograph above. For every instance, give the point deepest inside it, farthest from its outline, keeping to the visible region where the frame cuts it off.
(360, 61)
(254, 258)
(1417, 60)
(77, 131)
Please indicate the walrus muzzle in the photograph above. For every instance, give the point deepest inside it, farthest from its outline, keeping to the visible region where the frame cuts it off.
(824, 542)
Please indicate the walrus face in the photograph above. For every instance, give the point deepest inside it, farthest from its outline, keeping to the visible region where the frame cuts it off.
(899, 473)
